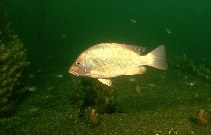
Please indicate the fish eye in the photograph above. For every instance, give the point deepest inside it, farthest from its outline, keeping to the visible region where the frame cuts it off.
(78, 63)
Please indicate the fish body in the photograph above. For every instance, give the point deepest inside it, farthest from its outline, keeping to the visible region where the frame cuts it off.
(107, 60)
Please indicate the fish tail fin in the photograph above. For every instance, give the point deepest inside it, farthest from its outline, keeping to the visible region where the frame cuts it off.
(157, 58)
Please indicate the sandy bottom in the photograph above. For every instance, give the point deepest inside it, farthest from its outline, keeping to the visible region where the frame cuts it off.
(167, 102)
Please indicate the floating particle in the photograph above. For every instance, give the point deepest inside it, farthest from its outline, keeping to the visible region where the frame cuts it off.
(168, 31)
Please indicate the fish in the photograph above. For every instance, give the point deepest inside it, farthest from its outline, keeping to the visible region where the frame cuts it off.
(133, 20)
(107, 60)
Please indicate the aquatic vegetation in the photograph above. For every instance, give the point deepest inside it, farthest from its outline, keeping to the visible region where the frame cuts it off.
(184, 64)
(87, 92)
(138, 89)
(202, 118)
(203, 72)
(93, 117)
(13, 63)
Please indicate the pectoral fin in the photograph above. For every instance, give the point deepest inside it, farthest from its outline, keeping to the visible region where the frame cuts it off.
(107, 82)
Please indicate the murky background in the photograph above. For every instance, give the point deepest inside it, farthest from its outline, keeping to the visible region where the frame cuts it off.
(56, 32)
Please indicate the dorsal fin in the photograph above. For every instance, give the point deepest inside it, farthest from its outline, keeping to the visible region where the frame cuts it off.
(137, 49)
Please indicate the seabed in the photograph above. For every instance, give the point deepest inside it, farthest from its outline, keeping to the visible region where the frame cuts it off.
(166, 102)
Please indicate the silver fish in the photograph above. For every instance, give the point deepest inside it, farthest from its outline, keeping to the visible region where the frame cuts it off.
(106, 60)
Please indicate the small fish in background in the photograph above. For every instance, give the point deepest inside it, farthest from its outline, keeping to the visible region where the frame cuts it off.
(151, 85)
(33, 88)
(133, 20)
(59, 75)
(190, 83)
(106, 60)
(50, 88)
(132, 80)
(168, 31)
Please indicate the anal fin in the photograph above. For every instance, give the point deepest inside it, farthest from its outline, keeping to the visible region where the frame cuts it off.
(138, 70)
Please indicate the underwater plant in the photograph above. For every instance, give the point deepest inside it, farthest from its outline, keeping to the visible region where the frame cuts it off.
(93, 117)
(202, 117)
(90, 98)
(13, 63)
(184, 64)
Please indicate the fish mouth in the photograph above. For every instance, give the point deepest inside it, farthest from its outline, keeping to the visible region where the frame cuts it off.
(72, 72)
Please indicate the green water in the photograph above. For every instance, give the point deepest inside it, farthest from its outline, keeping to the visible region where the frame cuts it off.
(56, 32)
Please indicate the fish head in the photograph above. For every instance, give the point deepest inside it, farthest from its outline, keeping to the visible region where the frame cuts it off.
(80, 67)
